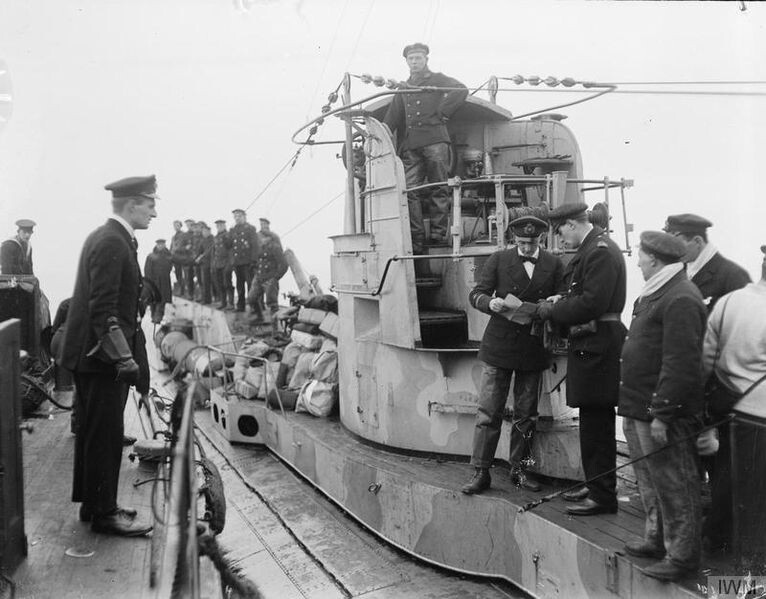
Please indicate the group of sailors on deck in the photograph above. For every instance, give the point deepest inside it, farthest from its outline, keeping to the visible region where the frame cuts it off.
(698, 317)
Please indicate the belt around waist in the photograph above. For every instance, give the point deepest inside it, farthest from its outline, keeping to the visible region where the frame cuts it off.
(610, 317)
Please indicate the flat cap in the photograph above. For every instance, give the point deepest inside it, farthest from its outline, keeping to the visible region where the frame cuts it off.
(416, 47)
(220, 220)
(25, 223)
(238, 211)
(686, 223)
(567, 210)
(665, 246)
(189, 220)
(265, 220)
(528, 227)
(134, 186)
(203, 224)
(160, 240)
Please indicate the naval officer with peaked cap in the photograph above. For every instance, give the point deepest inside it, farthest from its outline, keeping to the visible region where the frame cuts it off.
(591, 308)
(101, 348)
(714, 275)
(16, 252)
(510, 349)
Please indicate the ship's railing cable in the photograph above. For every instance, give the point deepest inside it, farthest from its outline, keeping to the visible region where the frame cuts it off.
(331, 99)
(533, 504)
(310, 216)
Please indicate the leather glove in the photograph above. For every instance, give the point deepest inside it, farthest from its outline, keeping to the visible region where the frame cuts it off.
(544, 310)
(127, 370)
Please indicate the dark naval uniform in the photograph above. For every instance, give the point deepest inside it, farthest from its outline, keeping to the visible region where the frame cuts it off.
(106, 292)
(244, 253)
(268, 270)
(508, 348)
(180, 250)
(719, 275)
(420, 119)
(596, 283)
(222, 267)
(16, 254)
(157, 269)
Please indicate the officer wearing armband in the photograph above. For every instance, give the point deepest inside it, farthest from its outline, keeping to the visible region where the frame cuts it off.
(596, 283)
(102, 346)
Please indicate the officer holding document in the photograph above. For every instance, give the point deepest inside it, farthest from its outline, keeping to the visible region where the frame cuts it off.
(511, 283)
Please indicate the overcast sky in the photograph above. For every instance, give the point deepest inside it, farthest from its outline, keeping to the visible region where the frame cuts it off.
(207, 93)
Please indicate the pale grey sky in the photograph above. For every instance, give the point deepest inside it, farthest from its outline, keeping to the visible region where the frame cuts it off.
(206, 94)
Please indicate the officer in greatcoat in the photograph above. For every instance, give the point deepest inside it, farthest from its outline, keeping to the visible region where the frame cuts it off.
(713, 274)
(420, 120)
(16, 252)
(157, 269)
(180, 250)
(591, 308)
(103, 347)
(269, 268)
(511, 348)
(244, 254)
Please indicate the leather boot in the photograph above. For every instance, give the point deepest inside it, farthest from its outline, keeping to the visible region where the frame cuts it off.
(479, 483)
(522, 480)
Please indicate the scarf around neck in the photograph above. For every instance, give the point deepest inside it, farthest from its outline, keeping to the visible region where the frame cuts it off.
(660, 279)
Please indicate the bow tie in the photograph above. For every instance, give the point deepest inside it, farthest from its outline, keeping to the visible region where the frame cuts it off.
(531, 259)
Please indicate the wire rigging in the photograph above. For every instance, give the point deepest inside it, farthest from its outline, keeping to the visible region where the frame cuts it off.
(310, 216)
(359, 35)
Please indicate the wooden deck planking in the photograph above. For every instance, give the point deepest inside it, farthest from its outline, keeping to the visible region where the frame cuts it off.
(119, 566)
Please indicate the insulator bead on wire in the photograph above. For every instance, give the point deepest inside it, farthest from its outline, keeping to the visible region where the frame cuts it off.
(313, 130)
(325, 109)
(533, 80)
(568, 82)
(332, 98)
(320, 121)
(551, 81)
(366, 78)
(379, 81)
(517, 79)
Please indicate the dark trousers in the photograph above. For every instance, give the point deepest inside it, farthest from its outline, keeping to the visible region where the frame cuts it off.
(242, 272)
(222, 283)
(178, 268)
(493, 394)
(429, 164)
(669, 485)
(206, 283)
(598, 449)
(189, 280)
(718, 524)
(98, 440)
(264, 287)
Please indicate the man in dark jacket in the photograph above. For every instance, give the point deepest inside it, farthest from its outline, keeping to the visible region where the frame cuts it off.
(16, 253)
(180, 250)
(420, 120)
(222, 266)
(511, 347)
(204, 262)
(244, 254)
(661, 403)
(157, 269)
(714, 275)
(591, 309)
(269, 268)
(101, 347)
